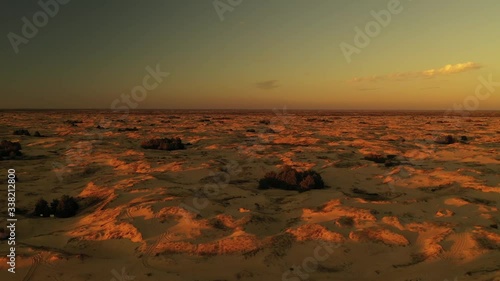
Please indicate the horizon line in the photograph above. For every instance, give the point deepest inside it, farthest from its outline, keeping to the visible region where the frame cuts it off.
(242, 109)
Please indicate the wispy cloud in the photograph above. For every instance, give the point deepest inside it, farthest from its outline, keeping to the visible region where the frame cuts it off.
(267, 85)
(429, 73)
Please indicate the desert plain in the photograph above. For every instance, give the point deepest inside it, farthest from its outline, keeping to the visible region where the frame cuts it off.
(427, 211)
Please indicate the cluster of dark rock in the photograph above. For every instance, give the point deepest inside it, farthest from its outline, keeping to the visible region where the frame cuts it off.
(23, 132)
(265, 121)
(128, 129)
(64, 207)
(291, 179)
(388, 160)
(318, 120)
(163, 144)
(99, 127)
(73, 122)
(372, 196)
(449, 139)
(265, 131)
(9, 150)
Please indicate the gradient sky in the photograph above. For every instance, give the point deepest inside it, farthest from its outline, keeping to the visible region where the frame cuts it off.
(264, 54)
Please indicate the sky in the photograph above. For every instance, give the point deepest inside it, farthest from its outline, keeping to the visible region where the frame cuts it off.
(251, 54)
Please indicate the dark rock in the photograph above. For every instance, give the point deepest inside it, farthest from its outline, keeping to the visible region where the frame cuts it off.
(449, 139)
(392, 162)
(345, 221)
(377, 158)
(65, 207)
(37, 134)
(389, 160)
(371, 196)
(10, 149)
(73, 122)
(401, 139)
(290, 179)
(42, 208)
(250, 131)
(22, 132)
(269, 131)
(100, 127)
(265, 121)
(128, 129)
(163, 144)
